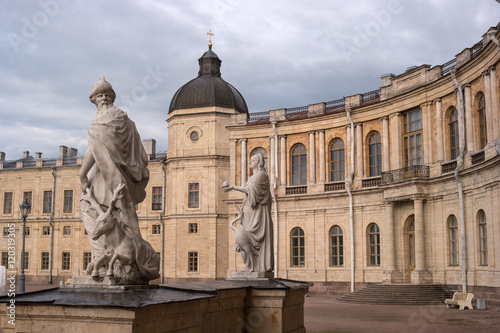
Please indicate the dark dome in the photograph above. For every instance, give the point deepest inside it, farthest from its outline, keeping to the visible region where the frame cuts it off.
(208, 89)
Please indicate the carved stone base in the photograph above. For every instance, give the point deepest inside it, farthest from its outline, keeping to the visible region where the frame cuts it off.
(86, 281)
(252, 275)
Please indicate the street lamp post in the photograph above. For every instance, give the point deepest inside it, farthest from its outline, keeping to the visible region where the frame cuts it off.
(25, 207)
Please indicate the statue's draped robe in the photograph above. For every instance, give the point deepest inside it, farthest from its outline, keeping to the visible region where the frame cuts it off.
(257, 219)
(120, 158)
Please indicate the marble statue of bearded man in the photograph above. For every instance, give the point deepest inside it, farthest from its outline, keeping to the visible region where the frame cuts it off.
(116, 156)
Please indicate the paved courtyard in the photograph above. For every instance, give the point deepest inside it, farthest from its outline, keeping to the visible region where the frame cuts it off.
(326, 314)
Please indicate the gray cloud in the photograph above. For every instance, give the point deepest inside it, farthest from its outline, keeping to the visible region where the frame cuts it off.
(276, 53)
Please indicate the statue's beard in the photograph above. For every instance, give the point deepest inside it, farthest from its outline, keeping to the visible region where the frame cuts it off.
(104, 105)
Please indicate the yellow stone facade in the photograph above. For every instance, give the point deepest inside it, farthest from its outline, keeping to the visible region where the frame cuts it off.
(412, 203)
(407, 212)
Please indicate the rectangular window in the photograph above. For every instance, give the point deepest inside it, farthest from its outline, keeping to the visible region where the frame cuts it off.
(157, 198)
(46, 231)
(7, 203)
(194, 195)
(27, 231)
(412, 138)
(87, 258)
(5, 231)
(66, 230)
(68, 201)
(5, 259)
(26, 260)
(193, 262)
(156, 229)
(66, 261)
(29, 198)
(45, 260)
(47, 201)
(193, 228)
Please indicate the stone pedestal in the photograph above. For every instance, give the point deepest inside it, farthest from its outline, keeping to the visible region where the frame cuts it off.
(252, 275)
(264, 305)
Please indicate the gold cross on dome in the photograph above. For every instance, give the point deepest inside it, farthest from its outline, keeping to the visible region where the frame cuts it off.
(210, 34)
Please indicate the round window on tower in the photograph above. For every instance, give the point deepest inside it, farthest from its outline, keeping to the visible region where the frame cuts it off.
(194, 135)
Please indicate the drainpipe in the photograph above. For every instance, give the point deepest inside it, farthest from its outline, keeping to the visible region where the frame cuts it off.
(162, 224)
(349, 186)
(275, 201)
(51, 224)
(460, 161)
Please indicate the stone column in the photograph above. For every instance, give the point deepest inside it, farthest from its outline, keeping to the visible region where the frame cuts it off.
(359, 150)
(312, 157)
(243, 161)
(322, 156)
(419, 235)
(348, 151)
(439, 130)
(469, 135)
(270, 170)
(390, 255)
(283, 154)
(396, 133)
(489, 110)
(385, 145)
(426, 132)
(232, 161)
(494, 102)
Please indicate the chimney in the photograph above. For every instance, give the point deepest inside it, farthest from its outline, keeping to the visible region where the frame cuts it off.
(72, 152)
(2, 156)
(38, 155)
(63, 152)
(26, 154)
(150, 147)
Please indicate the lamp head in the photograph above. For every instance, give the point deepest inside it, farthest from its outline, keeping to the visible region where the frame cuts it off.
(25, 207)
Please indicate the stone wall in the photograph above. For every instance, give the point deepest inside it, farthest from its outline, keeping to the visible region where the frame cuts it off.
(210, 306)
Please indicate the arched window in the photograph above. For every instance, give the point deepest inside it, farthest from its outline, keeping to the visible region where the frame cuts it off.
(298, 247)
(337, 246)
(453, 238)
(374, 154)
(481, 110)
(373, 245)
(299, 165)
(263, 152)
(483, 238)
(337, 160)
(454, 139)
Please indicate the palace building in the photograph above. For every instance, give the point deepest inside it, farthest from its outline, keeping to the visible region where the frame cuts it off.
(397, 185)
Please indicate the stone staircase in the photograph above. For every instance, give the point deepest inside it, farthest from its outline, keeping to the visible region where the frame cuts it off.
(398, 294)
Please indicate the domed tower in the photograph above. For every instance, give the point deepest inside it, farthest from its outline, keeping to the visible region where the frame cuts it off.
(197, 165)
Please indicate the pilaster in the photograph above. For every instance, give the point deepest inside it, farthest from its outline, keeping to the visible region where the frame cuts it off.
(439, 130)
(243, 161)
(322, 156)
(385, 145)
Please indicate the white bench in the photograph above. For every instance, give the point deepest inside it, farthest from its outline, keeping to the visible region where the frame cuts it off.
(461, 299)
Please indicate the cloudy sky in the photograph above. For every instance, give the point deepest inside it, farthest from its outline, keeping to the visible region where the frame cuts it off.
(278, 54)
